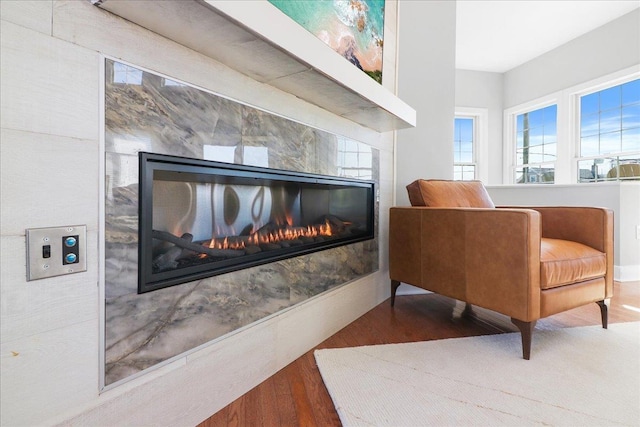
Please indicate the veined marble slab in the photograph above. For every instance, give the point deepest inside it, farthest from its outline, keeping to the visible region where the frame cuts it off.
(148, 112)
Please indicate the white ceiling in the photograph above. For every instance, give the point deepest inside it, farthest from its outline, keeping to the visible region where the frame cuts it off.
(499, 35)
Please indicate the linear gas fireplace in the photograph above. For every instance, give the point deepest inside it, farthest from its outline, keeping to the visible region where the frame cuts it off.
(200, 218)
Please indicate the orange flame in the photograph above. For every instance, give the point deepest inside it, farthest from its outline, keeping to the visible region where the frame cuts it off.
(280, 235)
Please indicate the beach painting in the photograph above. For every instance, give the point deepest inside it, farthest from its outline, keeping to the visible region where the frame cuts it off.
(353, 28)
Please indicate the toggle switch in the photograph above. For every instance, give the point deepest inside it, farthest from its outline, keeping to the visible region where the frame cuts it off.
(55, 251)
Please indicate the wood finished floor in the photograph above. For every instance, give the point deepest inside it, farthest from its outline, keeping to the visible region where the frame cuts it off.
(296, 395)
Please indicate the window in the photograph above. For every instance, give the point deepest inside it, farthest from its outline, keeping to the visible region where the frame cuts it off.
(536, 145)
(464, 158)
(595, 136)
(610, 134)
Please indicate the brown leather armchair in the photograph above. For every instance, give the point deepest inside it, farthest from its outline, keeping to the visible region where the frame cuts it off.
(526, 263)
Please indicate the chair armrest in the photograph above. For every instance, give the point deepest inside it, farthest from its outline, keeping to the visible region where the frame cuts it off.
(590, 226)
(486, 257)
(587, 225)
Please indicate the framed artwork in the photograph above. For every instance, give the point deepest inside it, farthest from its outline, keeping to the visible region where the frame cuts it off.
(353, 28)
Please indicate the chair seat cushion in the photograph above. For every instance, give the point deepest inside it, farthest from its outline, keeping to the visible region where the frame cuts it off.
(563, 262)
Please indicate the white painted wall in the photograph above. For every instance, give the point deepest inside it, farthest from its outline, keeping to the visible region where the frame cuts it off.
(480, 89)
(426, 81)
(605, 50)
(50, 167)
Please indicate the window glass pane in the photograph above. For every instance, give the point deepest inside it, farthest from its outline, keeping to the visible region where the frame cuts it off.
(466, 146)
(466, 130)
(607, 168)
(466, 157)
(547, 175)
(536, 118)
(535, 154)
(629, 167)
(617, 131)
(463, 147)
(550, 152)
(610, 142)
(468, 173)
(519, 123)
(610, 120)
(631, 140)
(596, 169)
(535, 136)
(457, 173)
(589, 104)
(539, 130)
(586, 171)
(610, 98)
(589, 124)
(550, 133)
(631, 116)
(550, 114)
(590, 146)
(535, 175)
(631, 92)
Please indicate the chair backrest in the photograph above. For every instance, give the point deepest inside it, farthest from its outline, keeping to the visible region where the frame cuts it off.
(449, 194)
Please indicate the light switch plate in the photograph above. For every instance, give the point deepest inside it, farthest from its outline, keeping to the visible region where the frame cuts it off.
(55, 251)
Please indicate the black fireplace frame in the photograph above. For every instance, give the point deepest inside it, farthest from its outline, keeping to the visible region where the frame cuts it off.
(151, 162)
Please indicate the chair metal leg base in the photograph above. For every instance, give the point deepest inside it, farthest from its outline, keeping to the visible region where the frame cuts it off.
(604, 311)
(394, 287)
(526, 330)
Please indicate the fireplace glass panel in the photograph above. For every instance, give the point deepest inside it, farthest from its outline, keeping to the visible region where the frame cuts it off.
(200, 218)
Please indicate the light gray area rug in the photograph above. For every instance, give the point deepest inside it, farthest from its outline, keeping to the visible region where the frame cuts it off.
(585, 376)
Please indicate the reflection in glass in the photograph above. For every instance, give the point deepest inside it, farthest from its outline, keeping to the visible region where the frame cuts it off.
(125, 74)
(355, 159)
(219, 153)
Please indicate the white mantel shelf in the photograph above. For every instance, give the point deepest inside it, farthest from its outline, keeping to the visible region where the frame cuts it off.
(258, 40)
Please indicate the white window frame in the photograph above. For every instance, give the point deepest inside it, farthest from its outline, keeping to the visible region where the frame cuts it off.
(568, 125)
(480, 118)
(510, 128)
(576, 93)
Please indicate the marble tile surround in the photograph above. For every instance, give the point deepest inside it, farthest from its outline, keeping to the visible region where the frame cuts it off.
(146, 112)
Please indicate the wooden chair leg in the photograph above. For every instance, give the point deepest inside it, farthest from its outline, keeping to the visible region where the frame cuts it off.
(526, 330)
(604, 311)
(394, 287)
